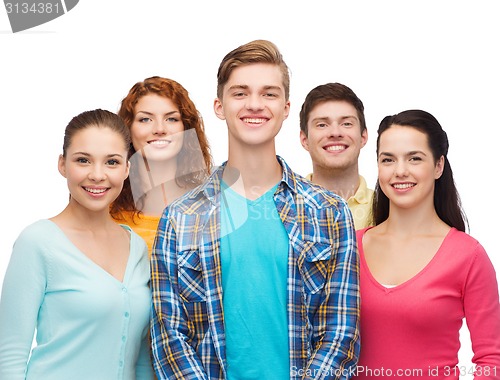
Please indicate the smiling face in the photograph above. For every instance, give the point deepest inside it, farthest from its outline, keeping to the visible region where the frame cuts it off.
(253, 104)
(334, 137)
(407, 169)
(95, 167)
(157, 127)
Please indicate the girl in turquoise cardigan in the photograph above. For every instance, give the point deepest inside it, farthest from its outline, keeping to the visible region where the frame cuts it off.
(79, 280)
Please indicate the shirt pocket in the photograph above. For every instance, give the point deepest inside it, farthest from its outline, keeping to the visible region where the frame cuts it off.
(313, 262)
(190, 276)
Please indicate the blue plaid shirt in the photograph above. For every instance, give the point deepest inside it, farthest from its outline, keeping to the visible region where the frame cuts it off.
(187, 329)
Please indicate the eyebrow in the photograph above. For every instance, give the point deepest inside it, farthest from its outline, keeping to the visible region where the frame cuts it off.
(411, 153)
(349, 117)
(328, 118)
(89, 155)
(321, 118)
(246, 87)
(166, 113)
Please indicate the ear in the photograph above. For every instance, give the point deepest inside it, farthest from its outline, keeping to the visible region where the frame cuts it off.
(218, 109)
(127, 171)
(61, 165)
(304, 140)
(438, 171)
(364, 138)
(287, 110)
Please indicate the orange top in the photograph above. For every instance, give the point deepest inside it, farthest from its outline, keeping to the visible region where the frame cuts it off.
(144, 225)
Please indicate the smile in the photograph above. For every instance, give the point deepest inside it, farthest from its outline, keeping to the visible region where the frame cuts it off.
(159, 142)
(403, 185)
(254, 120)
(95, 191)
(335, 148)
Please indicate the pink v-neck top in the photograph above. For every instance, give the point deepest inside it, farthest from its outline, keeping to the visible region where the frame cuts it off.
(412, 330)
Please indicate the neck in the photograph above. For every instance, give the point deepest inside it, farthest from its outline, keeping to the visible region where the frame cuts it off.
(342, 182)
(79, 218)
(158, 172)
(412, 222)
(155, 200)
(253, 172)
(154, 182)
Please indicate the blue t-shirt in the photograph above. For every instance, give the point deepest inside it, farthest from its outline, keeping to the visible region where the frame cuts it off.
(254, 255)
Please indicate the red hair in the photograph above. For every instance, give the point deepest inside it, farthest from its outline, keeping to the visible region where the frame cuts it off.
(188, 168)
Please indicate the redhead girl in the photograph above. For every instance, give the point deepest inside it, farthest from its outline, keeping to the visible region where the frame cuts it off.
(169, 152)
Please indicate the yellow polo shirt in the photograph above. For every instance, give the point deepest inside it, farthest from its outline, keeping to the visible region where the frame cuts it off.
(360, 204)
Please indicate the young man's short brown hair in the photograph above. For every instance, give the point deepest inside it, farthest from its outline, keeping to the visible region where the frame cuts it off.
(258, 51)
(331, 92)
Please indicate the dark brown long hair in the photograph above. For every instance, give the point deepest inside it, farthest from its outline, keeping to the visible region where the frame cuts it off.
(446, 198)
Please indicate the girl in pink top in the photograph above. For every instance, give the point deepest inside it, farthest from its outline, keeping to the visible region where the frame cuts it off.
(421, 274)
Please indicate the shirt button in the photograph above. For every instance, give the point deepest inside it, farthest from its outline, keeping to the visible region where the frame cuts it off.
(124, 338)
(127, 314)
(124, 290)
(121, 363)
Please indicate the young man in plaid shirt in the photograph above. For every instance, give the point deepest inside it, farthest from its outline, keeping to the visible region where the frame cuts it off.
(255, 272)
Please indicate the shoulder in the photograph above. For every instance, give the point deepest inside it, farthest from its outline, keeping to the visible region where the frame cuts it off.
(198, 200)
(316, 196)
(463, 242)
(464, 250)
(38, 241)
(361, 232)
(39, 231)
(189, 201)
(466, 254)
(311, 194)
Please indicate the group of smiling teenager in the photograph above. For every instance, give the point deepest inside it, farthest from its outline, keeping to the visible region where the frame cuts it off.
(164, 266)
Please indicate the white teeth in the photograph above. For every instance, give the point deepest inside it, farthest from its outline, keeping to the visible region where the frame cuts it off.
(159, 142)
(334, 148)
(254, 121)
(403, 185)
(94, 191)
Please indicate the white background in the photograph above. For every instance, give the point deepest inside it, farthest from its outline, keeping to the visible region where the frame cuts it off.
(440, 56)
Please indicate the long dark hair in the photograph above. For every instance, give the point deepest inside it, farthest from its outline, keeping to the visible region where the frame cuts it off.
(446, 198)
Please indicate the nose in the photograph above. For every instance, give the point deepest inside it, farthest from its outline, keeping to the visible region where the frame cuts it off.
(254, 102)
(159, 127)
(334, 130)
(97, 173)
(401, 169)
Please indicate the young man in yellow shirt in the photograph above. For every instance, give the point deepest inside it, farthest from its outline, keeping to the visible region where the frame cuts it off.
(333, 131)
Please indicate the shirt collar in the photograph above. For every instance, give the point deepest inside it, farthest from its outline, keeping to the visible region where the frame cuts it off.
(362, 195)
(212, 187)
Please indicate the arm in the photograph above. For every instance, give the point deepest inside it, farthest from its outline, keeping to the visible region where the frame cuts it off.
(22, 294)
(482, 314)
(171, 330)
(338, 345)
